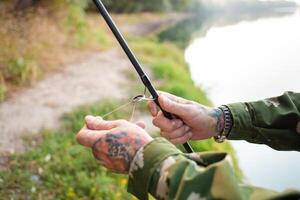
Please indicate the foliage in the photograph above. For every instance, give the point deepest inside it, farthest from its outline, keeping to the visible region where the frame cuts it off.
(20, 69)
(119, 6)
(169, 68)
(38, 40)
(2, 88)
(181, 33)
(83, 34)
(145, 5)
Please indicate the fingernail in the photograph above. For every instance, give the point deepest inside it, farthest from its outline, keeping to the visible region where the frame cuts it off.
(162, 97)
(165, 100)
(99, 118)
(89, 119)
(180, 123)
(186, 128)
(152, 108)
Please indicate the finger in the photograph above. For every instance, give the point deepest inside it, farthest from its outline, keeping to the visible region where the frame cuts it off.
(152, 108)
(165, 124)
(173, 106)
(178, 132)
(141, 124)
(174, 98)
(182, 139)
(97, 123)
(88, 137)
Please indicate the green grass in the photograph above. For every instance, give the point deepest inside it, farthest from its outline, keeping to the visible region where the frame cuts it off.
(59, 168)
(2, 88)
(169, 68)
(20, 70)
(38, 42)
(83, 34)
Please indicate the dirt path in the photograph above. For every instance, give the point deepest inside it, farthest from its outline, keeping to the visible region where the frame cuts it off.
(98, 77)
(42, 105)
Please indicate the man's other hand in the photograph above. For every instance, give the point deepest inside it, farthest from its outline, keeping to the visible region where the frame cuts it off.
(114, 143)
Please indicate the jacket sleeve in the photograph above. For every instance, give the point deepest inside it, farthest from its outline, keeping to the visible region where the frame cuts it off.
(274, 122)
(162, 170)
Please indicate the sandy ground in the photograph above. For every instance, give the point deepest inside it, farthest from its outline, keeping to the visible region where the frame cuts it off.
(41, 106)
(98, 77)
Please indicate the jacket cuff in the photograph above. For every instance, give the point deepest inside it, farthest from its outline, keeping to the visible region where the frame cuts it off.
(242, 128)
(144, 164)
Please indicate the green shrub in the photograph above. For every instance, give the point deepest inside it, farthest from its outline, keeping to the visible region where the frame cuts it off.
(170, 71)
(145, 5)
(75, 23)
(2, 88)
(20, 70)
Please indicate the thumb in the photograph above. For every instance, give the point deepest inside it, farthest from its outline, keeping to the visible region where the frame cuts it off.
(97, 123)
(171, 106)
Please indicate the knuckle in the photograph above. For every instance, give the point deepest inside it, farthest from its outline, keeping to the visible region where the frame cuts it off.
(156, 121)
(79, 137)
(121, 122)
(175, 123)
(175, 141)
(181, 140)
(179, 133)
(164, 134)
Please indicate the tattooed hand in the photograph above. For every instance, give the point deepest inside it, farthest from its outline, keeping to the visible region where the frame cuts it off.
(114, 143)
(192, 120)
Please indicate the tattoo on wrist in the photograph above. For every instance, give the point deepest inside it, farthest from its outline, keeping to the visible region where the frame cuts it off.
(218, 115)
(117, 150)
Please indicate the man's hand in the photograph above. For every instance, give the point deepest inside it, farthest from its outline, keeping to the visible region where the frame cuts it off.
(114, 143)
(192, 120)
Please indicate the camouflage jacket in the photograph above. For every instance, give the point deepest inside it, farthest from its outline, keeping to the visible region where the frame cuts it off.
(162, 170)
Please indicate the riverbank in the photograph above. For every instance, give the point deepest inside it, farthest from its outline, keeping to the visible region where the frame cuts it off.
(224, 50)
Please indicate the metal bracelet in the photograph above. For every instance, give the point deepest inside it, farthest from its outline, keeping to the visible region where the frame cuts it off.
(227, 127)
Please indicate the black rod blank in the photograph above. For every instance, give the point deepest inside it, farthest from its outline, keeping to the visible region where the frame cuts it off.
(134, 61)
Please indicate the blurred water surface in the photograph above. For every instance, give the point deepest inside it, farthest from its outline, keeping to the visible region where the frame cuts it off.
(246, 61)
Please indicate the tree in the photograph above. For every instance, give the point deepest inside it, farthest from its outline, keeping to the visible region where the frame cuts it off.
(22, 4)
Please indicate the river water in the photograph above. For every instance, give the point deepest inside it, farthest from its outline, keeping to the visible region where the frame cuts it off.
(247, 61)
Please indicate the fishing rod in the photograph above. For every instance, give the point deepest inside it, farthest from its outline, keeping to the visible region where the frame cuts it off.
(145, 79)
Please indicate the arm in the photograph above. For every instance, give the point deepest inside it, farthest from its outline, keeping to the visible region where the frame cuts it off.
(274, 122)
(158, 167)
(162, 170)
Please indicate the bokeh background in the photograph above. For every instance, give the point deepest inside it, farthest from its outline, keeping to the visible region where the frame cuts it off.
(59, 62)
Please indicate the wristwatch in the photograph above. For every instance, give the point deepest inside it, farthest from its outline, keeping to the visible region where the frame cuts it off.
(228, 120)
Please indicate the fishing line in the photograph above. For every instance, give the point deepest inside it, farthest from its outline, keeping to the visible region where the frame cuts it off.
(134, 101)
(143, 76)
